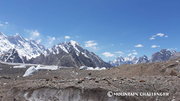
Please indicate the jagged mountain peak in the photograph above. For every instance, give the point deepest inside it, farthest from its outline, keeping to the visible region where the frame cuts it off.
(72, 42)
(75, 48)
(163, 55)
(2, 36)
(174, 52)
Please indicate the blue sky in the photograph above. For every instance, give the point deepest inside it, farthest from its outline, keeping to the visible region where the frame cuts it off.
(107, 27)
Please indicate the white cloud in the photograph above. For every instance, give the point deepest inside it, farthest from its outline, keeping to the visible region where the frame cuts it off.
(135, 53)
(121, 43)
(112, 45)
(119, 52)
(90, 43)
(51, 39)
(77, 36)
(154, 46)
(128, 51)
(1, 24)
(6, 23)
(67, 37)
(171, 49)
(152, 38)
(35, 33)
(158, 34)
(134, 50)
(26, 30)
(38, 41)
(130, 54)
(139, 45)
(108, 54)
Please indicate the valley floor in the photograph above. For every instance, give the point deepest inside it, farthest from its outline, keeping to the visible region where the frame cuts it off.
(86, 85)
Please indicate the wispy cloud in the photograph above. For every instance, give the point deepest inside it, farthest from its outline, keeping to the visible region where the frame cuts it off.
(134, 50)
(171, 49)
(158, 34)
(51, 39)
(119, 52)
(6, 23)
(139, 45)
(35, 33)
(152, 38)
(1, 24)
(108, 54)
(112, 44)
(135, 53)
(67, 37)
(26, 30)
(90, 44)
(128, 50)
(121, 44)
(154, 46)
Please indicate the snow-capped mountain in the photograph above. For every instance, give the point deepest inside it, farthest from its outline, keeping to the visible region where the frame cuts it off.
(68, 47)
(129, 60)
(163, 55)
(143, 59)
(24, 47)
(5, 45)
(12, 56)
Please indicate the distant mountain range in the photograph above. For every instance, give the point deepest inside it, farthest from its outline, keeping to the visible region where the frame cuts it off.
(163, 55)
(16, 49)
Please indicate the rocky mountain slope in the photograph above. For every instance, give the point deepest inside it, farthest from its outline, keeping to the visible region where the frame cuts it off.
(174, 55)
(64, 59)
(73, 45)
(163, 55)
(70, 54)
(12, 56)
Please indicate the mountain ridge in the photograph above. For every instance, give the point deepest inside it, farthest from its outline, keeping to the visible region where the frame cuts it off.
(163, 55)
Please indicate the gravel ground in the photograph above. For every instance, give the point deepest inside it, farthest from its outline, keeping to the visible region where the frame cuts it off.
(89, 85)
